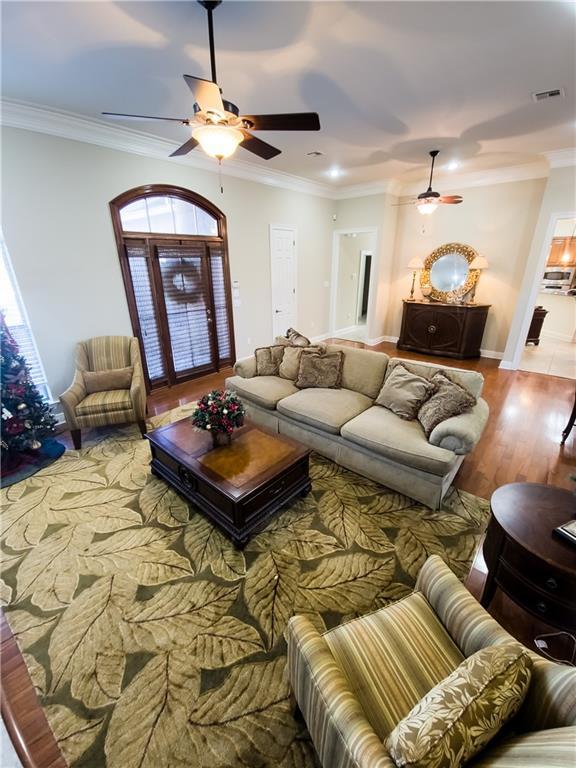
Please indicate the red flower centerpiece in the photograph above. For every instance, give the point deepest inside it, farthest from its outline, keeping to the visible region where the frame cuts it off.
(219, 412)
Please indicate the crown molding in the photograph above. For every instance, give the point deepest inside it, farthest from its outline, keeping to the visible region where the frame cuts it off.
(69, 125)
(561, 158)
(535, 170)
(387, 187)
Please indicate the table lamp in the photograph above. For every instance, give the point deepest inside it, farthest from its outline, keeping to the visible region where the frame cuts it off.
(414, 264)
(480, 263)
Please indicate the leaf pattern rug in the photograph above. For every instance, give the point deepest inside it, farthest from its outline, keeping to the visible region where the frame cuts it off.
(153, 643)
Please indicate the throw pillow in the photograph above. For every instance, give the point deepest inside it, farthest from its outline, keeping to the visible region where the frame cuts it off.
(404, 392)
(296, 338)
(320, 370)
(460, 715)
(290, 364)
(450, 399)
(103, 381)
(268, 360)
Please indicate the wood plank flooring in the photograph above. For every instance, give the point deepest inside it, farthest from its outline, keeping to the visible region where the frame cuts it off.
(521, 443)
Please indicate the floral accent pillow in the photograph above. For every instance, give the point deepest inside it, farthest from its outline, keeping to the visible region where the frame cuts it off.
(268, 360)
(460, 715)
(320, 370)
(450, 399)
(290, 364)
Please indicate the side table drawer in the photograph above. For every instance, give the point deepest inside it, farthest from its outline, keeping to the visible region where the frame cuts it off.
(545, 605)
(551, 580)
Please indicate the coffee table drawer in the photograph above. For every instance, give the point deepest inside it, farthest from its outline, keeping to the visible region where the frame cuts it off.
(542, 604)
(274, 490)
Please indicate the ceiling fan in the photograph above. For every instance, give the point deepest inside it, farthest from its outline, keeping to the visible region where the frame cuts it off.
(217, 125)
(428, 201)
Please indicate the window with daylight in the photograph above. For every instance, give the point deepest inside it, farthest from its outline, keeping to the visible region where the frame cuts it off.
(174, 257)
(14, 312)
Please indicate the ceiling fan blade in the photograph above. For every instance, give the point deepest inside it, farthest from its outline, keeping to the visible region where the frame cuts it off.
(450, 199)
(259, 147)
(121, 116)
(188, 146)
(294, 121)
(206, 94)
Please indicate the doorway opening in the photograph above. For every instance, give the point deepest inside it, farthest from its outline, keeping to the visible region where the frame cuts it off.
(353, 273)
(283, 271)
(550, 345)
(174, 258)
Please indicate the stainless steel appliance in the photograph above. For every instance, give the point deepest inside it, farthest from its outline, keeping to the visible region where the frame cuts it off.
(557, 279)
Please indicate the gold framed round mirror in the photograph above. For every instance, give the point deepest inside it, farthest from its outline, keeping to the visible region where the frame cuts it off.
(447, 276)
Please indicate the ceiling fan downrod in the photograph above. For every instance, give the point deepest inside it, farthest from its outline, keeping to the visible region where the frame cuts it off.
(210, 5)
(433, 155)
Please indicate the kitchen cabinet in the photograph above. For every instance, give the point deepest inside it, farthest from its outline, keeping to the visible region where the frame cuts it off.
(450, 330)
(559, 249)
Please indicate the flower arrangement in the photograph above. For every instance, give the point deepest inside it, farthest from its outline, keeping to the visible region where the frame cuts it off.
(219, 412)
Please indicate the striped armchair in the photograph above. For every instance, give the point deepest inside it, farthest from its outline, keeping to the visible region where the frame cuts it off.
(113, 406)
(354, 683)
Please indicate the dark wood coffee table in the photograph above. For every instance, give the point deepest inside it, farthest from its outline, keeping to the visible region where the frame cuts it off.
(533, 565)
(238, 486)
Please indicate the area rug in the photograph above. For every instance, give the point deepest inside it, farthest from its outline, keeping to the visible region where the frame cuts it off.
(29, 463)
(153, 643)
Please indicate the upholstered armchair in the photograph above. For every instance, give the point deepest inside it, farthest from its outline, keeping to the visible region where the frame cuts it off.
(108, 386)
(353, 684)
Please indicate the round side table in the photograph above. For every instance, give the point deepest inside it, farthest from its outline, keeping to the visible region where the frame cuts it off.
(534, 566)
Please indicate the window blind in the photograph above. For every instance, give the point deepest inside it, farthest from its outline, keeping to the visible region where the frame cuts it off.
(220, 304)
(139, 272)
(12, 306)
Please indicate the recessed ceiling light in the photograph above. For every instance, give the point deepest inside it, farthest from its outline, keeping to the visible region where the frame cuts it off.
(334, 173)
(453, 165)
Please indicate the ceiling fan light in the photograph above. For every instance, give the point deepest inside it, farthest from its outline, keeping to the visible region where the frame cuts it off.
(219, 141)
(427, 206)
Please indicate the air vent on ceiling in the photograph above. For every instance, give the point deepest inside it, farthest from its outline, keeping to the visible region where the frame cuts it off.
(555, 93)
(315, 154)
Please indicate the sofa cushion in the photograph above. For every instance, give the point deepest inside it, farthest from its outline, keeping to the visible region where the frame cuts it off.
(102, 381)
(363, 371)
(381, 431)
(393, 657)
(105, 402)
(268, 360)
(320, 371)
(470, 380)
(554, 748)
(326, 409)
(265, 391)
(460, 715)
(449, 400)
(404, 392)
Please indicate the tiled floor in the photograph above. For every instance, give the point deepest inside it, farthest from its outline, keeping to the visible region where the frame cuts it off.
(556, 358)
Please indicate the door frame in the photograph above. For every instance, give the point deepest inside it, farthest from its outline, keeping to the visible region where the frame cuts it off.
(364, 253)
(527, 297)
(334, 273)
(290, 228)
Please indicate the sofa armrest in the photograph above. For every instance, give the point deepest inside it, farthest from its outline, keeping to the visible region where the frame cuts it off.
(337, 724)
(461, 433)
(551, 698)
(246, 368)
(74, 395)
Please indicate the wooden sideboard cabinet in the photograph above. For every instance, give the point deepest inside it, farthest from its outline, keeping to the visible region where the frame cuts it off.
(450, 330)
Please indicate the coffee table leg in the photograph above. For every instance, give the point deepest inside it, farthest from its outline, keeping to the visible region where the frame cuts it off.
(306, 490)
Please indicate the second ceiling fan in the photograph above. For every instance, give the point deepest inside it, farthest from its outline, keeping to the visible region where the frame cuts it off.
(217, 125)
(428, 201)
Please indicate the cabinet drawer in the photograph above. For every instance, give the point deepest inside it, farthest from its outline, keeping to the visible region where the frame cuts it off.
(544, 605)
(274, 490)
(550, 580)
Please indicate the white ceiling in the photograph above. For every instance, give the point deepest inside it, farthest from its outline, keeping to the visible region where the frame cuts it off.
(390, 80)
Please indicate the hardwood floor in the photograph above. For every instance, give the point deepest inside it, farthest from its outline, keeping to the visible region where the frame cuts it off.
(528, 412)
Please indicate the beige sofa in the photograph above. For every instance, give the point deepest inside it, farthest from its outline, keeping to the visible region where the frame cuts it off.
(345, 425)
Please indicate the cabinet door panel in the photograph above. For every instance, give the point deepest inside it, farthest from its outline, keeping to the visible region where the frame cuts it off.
(418, 326)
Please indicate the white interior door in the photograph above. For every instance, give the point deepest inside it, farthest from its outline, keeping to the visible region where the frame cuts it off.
(283, 268)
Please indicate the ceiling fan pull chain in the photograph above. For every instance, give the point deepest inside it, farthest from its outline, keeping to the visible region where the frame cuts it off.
(220, 175)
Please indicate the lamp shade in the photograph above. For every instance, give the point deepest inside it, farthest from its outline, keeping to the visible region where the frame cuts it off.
(415, 263)
(218, 140)
(479, 263)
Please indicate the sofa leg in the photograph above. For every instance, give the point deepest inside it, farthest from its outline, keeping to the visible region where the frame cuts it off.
(76, 438)
(142, 426)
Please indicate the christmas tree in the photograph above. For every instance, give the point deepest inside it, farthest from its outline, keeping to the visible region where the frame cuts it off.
(26, 416)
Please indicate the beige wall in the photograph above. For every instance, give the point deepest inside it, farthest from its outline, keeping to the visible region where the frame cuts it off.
(349, 277)
(560, 322)
(57, 227)
(498, 221)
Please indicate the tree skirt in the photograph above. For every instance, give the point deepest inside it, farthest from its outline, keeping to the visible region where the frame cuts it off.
(34, 461)
(153, 643)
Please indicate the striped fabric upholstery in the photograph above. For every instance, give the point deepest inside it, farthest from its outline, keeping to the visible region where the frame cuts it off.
(392, 658)
(104, 353)
(553, 748)
(331, 675)
(342, 735)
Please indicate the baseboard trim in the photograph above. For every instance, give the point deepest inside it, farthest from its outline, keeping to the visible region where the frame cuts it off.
(554, 336)
(492, 354)
(506, 365)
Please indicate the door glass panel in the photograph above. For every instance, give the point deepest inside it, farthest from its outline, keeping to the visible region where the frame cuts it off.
(145, 308)
(187, 306)
(220, 306)
(161, 215)
(134, 217)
